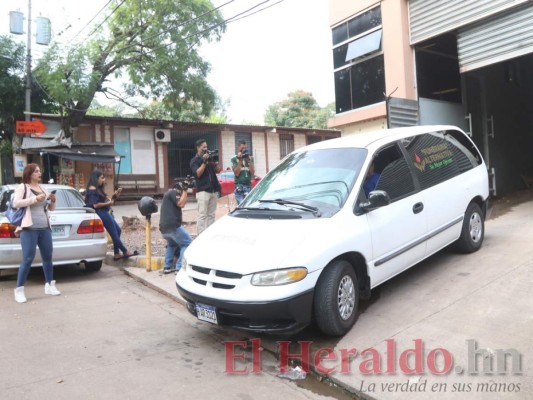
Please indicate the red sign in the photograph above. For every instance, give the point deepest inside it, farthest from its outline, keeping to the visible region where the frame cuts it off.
(30, 127)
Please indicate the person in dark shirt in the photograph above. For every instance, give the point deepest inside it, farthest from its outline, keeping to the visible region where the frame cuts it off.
(170, 221)
(205, 170)
(96, 198)
(371, 180)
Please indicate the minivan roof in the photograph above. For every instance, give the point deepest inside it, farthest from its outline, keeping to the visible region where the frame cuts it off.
(364, 140)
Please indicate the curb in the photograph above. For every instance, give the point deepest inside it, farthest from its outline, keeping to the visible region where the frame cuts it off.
(139, 261)
(155, 287)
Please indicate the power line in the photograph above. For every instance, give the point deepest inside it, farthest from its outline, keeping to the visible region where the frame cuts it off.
(228, 20)
(92, 19)
(106, 18)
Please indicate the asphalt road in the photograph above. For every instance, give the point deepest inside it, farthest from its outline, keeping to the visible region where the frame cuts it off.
(110, 337)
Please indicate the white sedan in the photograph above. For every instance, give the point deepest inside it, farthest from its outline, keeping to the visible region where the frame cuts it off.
(77, 231)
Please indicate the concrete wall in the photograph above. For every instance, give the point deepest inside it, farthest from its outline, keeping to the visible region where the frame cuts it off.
(227, 148)
(260, 153)
(364, 126)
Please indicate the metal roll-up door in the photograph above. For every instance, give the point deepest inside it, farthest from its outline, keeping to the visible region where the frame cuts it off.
(430, 18)
(503, 38)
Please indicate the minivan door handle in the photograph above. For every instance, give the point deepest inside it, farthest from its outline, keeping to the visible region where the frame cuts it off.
(418, 207)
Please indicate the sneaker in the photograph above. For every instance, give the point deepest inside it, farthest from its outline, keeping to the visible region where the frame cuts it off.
(166, 271)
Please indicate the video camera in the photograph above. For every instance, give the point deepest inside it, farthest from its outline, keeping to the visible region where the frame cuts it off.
(245, 154)
(213, 155)
(184, 184)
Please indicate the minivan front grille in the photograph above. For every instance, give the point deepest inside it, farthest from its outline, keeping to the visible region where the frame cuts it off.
(209, 277)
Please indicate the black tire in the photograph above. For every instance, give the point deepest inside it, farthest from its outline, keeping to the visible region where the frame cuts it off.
(93, 266)
(336, 299)
(473, 230)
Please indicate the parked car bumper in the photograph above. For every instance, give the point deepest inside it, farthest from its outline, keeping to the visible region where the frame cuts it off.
(65, 252)
(286, 316)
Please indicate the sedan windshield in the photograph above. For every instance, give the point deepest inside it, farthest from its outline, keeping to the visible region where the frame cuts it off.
(319, 178)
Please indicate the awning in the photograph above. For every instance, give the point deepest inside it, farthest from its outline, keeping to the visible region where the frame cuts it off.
(86, 153)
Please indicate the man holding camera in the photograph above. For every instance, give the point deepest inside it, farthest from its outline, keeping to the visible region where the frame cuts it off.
(170, 226)
(204, 168)
(243, 168)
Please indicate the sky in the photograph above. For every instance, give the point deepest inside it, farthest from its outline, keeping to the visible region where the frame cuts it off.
(259, 60)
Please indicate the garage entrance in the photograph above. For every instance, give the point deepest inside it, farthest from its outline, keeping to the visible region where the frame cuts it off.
(478, 77)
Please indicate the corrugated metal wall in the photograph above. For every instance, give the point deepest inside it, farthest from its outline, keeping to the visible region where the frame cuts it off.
(500, 39)
(429, 18)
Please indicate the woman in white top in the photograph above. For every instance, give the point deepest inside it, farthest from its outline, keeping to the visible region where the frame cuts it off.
(35, 229)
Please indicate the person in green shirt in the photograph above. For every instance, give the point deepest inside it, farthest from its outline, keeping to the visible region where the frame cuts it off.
(243, 168)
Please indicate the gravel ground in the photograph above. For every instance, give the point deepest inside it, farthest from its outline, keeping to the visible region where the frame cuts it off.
(134, 229)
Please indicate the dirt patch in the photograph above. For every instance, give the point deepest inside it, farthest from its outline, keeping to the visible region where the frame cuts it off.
(134, 229)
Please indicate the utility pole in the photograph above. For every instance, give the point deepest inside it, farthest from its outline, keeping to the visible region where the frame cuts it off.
(27, 115)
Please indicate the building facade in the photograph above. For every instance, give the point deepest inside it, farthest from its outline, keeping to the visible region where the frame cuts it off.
(144, 156)
(467, 63)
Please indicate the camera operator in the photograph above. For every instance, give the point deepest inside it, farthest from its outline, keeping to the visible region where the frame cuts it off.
(170, 226)
(243, 168)
(205, 168)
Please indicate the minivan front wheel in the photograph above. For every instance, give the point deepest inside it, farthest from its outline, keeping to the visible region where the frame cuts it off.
(473, 230)
(336, 299)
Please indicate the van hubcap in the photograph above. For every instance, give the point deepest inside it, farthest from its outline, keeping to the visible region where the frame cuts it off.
(346, 297)
(476, 227)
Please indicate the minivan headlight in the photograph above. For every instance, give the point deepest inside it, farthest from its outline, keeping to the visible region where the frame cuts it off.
(279, 277)
(184, 264)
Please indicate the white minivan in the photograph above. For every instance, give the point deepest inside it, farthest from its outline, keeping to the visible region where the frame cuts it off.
(332, 221)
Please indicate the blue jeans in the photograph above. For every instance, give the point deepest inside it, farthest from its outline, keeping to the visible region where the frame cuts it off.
(180, 238)
(240, 192)
(114, 231)
(29, 240)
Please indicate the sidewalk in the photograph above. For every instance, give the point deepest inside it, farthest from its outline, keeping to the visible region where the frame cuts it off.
(136, 266)
(446, 303)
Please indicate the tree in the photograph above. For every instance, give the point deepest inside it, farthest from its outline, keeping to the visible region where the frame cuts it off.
(299, 110)
(12, 90)
(104, 110)
(153, 43)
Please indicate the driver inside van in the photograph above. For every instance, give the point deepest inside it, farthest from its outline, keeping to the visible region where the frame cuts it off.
(371, 179)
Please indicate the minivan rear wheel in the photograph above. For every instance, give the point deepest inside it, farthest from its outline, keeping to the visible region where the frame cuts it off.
(336, 298)
(473, 230)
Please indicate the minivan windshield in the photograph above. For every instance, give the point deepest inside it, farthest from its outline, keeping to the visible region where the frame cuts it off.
(321, 179)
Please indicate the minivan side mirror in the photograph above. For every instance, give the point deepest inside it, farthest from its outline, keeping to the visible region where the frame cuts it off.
(376, 199)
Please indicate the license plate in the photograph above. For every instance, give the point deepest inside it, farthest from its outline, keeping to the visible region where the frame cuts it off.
(206, 313)
(58, 231)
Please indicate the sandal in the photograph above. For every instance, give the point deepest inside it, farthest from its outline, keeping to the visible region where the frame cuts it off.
(128, 255)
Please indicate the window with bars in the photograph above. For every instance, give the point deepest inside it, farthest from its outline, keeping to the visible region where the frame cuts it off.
(286, 144)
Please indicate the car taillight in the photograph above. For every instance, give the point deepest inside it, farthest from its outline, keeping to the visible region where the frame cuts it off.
(91, 226)
(7, 231)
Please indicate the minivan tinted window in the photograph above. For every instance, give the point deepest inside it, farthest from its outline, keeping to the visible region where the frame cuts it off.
(438, 156)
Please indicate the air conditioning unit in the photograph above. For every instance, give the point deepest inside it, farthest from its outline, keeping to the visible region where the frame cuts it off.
(162, 135)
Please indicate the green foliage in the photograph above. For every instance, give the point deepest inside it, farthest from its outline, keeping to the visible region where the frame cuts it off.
(102, 110)
(152, 43)
(12, 90)
(299, 110)
(11, 86)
